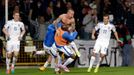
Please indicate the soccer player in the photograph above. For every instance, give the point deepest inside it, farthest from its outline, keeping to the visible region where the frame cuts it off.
(49, 39)
(48, 45)
(102, 41)
(68, 19)
(14, 31)
(63, 37)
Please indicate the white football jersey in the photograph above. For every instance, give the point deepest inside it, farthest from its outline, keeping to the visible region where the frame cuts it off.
(14, 29)
(104, 31)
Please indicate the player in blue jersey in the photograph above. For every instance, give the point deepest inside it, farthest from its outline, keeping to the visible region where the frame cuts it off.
(48, 45)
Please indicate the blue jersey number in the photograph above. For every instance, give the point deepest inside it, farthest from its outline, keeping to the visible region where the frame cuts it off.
(15, 28)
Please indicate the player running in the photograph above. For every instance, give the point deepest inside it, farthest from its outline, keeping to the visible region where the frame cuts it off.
(14, 31)
(102, 41)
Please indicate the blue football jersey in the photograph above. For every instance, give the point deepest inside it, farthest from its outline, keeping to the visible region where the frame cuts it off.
(49, 37)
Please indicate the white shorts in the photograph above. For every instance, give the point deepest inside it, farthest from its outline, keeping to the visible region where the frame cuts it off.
(51, 50)
(101, 46)
(67, 50)
(12, 46)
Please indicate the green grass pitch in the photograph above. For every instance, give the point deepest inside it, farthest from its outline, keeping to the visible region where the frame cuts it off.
(74, 71)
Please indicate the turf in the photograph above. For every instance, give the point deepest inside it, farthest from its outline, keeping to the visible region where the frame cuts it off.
(75, 71)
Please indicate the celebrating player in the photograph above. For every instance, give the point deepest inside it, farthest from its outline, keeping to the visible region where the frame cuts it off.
(68, 19)
(63, 38)
(48, 45)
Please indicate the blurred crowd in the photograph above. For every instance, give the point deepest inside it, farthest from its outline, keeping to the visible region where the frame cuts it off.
(38, 14)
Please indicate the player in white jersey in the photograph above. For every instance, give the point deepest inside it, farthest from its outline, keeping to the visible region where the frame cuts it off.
(14, 31)
(102, 42)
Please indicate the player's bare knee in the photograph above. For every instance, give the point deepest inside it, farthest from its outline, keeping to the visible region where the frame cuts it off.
(8, 55)
(94, 54)
(49, 58)
(102, 55)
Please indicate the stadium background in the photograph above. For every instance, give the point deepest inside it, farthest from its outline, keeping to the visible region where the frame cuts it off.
(32, 41)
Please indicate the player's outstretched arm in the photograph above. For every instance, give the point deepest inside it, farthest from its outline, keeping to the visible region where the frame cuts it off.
(70, 37)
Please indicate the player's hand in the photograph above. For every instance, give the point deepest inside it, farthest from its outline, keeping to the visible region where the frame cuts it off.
(120, 41)
(93, 37)
(8, 38)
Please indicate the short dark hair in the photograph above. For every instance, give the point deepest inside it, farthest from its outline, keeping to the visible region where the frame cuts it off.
(14, 12)
(106, 15)
(70, 10)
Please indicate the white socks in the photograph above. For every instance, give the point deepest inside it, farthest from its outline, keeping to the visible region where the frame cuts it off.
(98, 64)
(75, 48)
(59, 59)
(8, 63)
(46, 64)
(14, 61)
(68, 61)
(92, 61)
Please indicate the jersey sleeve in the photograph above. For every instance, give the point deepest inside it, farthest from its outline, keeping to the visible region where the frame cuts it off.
(7, 25)
(97, 26)
(70, 37)
(22, 26)
(113, 28)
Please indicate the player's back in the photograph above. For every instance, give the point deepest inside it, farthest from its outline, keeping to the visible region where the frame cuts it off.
(49, 37)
